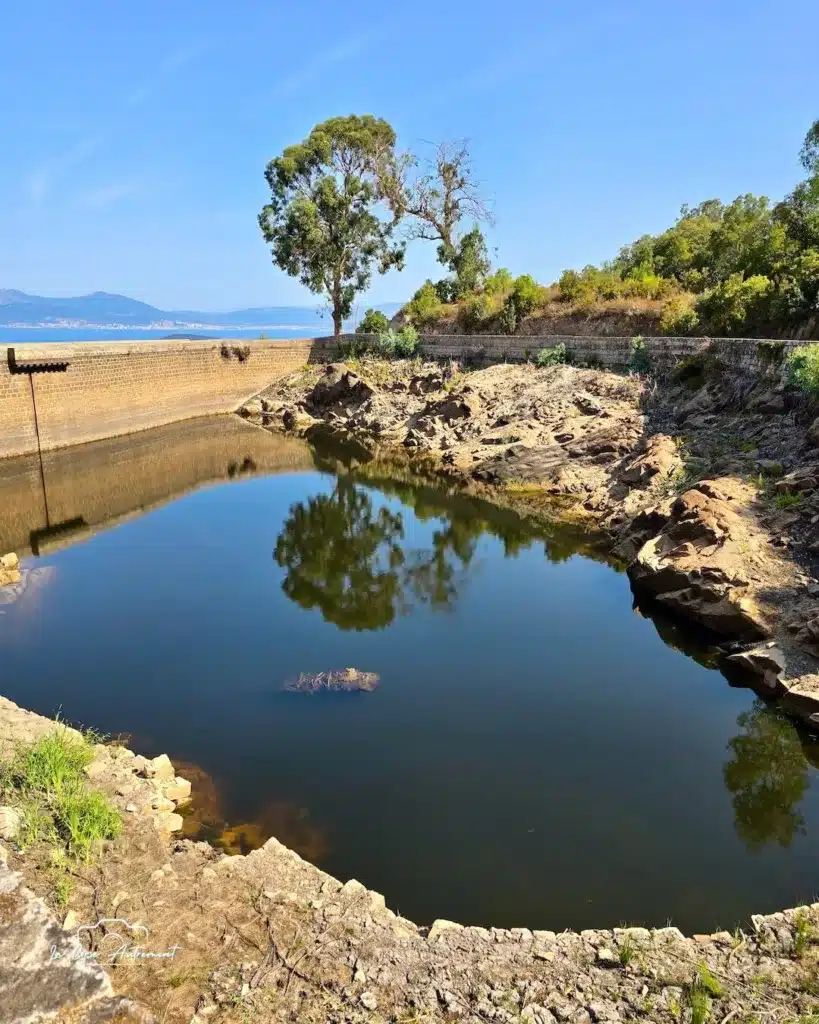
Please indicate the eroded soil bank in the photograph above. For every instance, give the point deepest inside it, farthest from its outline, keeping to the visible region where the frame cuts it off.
(270, 937)
(704, 481)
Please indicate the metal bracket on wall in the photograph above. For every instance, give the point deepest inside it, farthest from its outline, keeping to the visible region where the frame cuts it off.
(43, 366)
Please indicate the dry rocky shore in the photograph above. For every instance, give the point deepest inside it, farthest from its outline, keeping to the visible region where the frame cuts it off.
(706, 481)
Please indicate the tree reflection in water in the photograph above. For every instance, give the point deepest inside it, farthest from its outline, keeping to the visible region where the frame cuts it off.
(349, 560)
(767, 777)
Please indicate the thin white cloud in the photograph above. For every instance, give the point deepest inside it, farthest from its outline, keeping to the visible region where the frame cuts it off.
(312, 70)
(39, 182)
(520, 61)
(172, 61)
(138, 96)
(108, 195)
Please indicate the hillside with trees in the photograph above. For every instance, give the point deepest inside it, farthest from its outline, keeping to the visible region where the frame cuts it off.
(345, 203)
(748, 267)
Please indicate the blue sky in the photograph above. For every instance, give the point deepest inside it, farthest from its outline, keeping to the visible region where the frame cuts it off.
(135, 135)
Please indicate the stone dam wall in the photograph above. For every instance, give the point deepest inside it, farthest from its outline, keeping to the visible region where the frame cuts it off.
(112, 388)
(87, 391)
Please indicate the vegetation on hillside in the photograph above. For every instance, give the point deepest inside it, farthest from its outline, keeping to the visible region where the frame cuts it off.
(345, 203)
(721, 269)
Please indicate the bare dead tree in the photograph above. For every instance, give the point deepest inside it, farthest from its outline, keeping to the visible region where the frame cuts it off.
(437, 198)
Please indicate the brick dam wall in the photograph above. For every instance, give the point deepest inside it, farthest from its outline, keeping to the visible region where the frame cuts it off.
(114, 388)
(110, 389)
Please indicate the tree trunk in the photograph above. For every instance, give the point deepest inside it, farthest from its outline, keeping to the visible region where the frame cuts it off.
(337, 318)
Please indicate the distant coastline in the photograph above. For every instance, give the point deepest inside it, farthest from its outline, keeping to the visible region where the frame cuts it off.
(42, 335)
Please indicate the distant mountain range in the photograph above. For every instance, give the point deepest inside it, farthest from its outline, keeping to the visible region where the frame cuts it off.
(102, 309)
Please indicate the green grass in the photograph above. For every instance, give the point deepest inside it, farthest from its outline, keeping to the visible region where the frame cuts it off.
(46, 780)
(803, 935)
(787, 500)
(55, 762)
(63, 887)
(699, 1002)
(83, 819)
(628, 950)
(707, 980)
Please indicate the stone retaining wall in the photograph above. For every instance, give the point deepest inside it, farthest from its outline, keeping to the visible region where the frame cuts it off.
(749, 354)
(107, 389)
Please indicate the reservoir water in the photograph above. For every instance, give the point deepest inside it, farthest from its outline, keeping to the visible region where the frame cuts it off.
(539, 752)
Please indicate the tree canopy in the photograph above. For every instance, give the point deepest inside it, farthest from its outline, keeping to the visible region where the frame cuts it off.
(325, 221)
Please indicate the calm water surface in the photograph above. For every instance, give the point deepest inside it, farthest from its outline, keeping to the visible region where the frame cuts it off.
(537, 754)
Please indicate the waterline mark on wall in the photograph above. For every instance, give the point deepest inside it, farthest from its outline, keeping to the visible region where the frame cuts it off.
(113, 940)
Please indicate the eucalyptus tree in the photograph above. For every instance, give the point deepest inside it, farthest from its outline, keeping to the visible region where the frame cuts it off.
(326, 221)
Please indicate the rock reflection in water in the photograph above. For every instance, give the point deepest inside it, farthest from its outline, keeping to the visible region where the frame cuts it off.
(767, 777)
(204, 820)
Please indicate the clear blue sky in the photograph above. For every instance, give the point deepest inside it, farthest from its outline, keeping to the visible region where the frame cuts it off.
(135, 135)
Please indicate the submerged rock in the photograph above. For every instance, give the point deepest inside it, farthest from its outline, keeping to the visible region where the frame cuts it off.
(347, 680)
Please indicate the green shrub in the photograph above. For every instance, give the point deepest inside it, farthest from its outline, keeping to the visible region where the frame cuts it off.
(508, 317)
(803, 369)
(639, 360)
(645, 284)
(678, 316)
(406, 342)
(373, 322)
(400, 344)
(526, 294)
(551, 356)
(447, 290)
(473, 312)
(498, 283)
(424, 308)
(570, 285)
(736, 304)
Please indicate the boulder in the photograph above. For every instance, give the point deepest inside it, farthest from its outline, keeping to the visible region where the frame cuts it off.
(660, 458)
(765, 661)
(297, 420)
(339, 386)
(588, 404)
(10, 821)
(803, 479)
(158, 768)
(695, 565)
(813, 434)
(456, 407)
(768, 402)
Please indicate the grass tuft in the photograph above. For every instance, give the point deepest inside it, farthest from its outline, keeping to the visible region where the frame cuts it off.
(47, 782)
(707, 980)
(83, 819)
(803, 935)
(787, 500)
(628, 950)
(699, 1002)
(55, 762)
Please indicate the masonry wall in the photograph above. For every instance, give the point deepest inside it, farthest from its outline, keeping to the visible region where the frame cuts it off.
(109, 389)
(118, 388)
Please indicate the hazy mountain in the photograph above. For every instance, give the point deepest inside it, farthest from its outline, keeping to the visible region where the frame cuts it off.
(104, 309)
